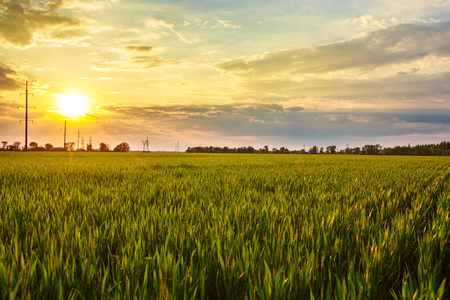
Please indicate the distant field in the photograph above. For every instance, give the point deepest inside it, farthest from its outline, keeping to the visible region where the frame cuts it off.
(107, 225)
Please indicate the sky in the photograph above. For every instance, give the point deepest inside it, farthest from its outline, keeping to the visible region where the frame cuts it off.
(292, 73)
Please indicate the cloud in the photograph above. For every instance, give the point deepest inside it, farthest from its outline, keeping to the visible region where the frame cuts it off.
(137, 62)
(138, 57)
(393, 67)
(197, 22)
(23, 21)
(68, 35)
(153, 61)
(369, 22)
(410, 87)
(6, 82)
(83, 4)
(397, 44)
(139, 48)
(282, 125)
(439, 3)
(165, 28)
(227, 24)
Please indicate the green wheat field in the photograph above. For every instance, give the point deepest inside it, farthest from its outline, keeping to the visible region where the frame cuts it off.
(218, 226)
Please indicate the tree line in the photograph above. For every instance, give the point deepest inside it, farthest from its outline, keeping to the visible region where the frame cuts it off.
(441, 149)
(70, 146)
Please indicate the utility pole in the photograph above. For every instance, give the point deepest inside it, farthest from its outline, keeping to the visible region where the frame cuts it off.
(26, 116)
(78, 143)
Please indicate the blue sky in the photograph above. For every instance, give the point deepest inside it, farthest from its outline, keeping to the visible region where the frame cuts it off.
(235, 73)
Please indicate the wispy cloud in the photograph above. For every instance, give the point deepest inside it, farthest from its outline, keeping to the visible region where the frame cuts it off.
(196, 22)
(225, 24)
(165, 28)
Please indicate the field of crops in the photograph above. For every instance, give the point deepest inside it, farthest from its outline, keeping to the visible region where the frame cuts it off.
(107, 225)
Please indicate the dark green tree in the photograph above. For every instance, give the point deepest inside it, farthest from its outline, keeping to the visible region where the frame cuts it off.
(104, 147)
(122, 147)
(331, 149)
(313, 150)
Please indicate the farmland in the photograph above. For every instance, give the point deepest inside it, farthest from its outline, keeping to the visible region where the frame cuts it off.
(107, 225)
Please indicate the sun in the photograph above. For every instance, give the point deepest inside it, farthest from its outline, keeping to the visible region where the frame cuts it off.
(72, 105)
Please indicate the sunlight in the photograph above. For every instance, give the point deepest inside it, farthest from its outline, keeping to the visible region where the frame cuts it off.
(72, 105)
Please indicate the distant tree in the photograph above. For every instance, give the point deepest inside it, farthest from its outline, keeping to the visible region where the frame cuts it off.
(122, 147)
(89, 147)
(442, 148)
(104, 147)
(48, 147)
(314, 150)
(242, 150)
(70, 146)
(371, 149)
(33, 145)
(4, 144)
(331, 149)
(284, 150)
(15, 146)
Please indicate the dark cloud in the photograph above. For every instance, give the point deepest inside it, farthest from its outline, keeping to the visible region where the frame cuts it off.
(397, 44)
(7, 83)
(432, 118)
(273, 120)
(21, 20)
(138, 48)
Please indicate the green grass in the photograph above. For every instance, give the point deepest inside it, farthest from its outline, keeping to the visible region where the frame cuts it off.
(107, 225)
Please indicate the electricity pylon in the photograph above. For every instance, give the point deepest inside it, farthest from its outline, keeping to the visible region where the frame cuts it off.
(26, 116)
